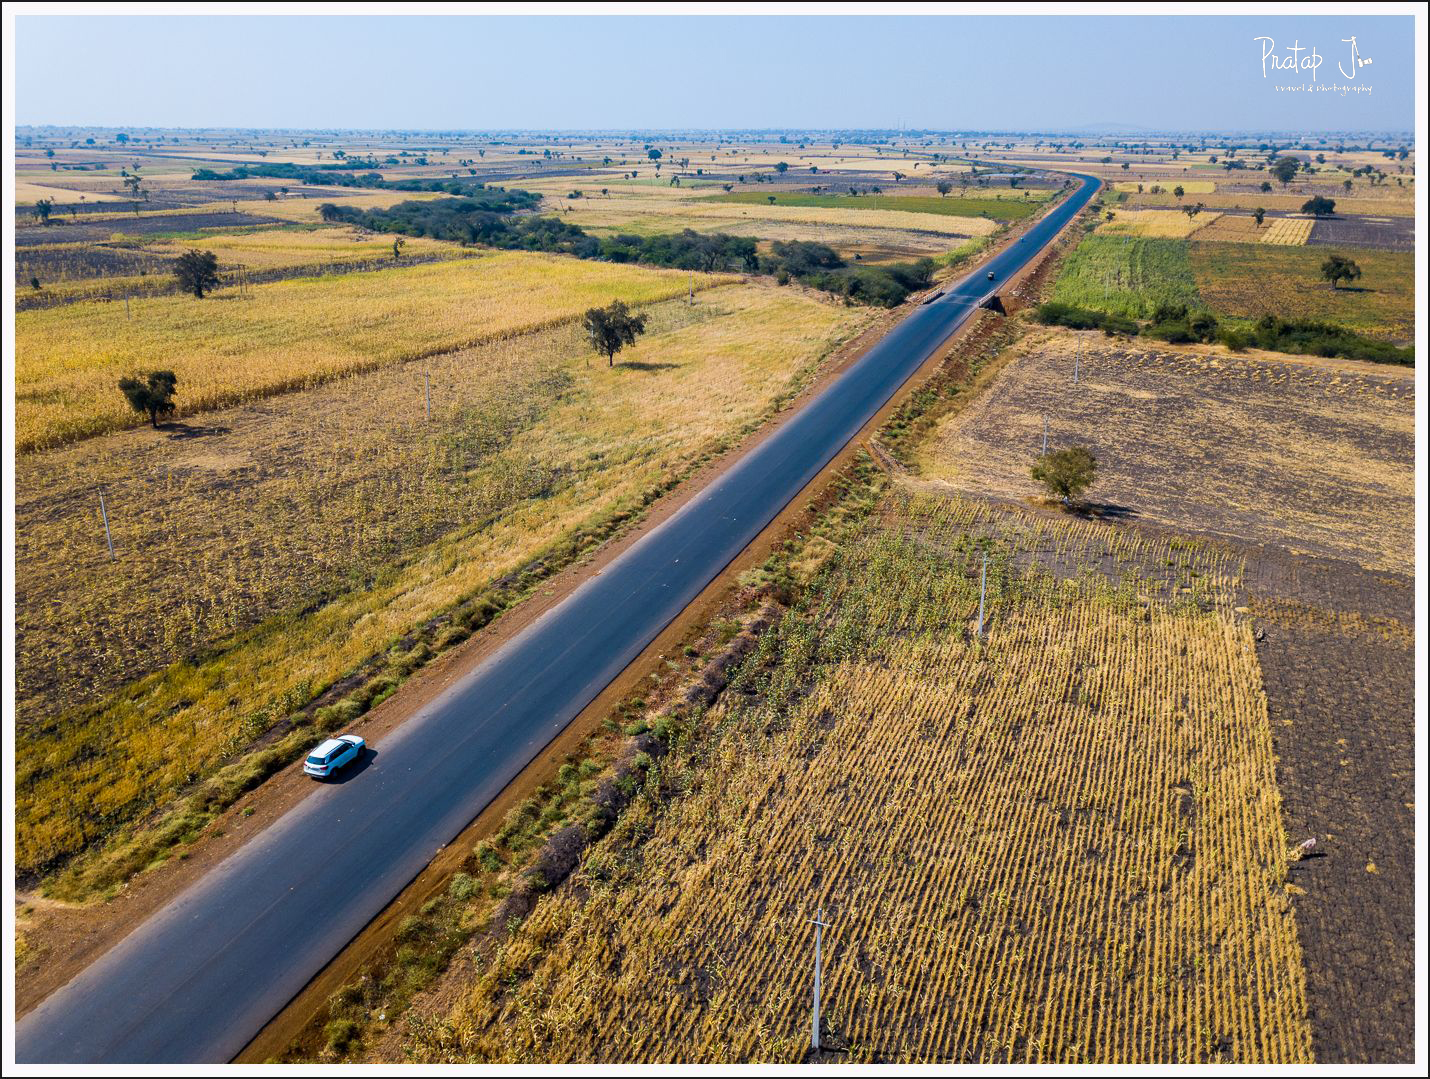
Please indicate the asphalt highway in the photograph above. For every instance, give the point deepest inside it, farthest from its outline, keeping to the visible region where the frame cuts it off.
(200, 978)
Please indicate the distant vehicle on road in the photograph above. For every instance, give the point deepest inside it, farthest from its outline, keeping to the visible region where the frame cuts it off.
(990, 275)
(332, 755)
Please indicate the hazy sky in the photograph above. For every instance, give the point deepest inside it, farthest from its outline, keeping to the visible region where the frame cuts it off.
(953, 73)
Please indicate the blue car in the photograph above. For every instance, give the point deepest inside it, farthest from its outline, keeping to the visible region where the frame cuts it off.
(332, 755)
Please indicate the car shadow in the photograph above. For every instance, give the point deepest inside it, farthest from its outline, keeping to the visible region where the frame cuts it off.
(357, 768)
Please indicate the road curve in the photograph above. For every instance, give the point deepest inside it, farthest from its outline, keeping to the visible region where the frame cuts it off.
(200, 978)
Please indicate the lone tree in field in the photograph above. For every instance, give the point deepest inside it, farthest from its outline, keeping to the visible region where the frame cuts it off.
(612, 328)
(1066, 473)
(1338, 268)
(197, 271)
(1285, 169)
(1319, 206)
(43, 209)
(944, 187)
(1260, 216)
(151, 394)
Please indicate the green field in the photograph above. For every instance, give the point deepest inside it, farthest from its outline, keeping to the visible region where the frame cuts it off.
(1128, 275)
(1011, 208)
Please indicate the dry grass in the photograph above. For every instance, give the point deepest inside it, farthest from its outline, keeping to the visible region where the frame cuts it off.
(1233, 228)
(230, 347)
(1164, 224)
(281, 248)
(625, 213)
(1251, 280)
(296, 538)
(1060, 845)
(1310, 456)
(1190, 187)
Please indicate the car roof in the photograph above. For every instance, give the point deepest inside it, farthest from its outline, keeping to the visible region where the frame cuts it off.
(327, 748)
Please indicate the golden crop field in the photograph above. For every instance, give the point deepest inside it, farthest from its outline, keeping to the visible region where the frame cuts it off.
(1059, 844)
(231, 347)
(1232, 228)
(1287, 231)
(1166, 224)
(291, 540)
(1191, 187)
(1306, 455)
(263, 249)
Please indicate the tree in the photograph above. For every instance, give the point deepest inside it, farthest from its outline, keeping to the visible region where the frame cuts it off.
(1285, 169)
(612, 328)
(1265, 186)
(1321, 207)
(1338, 268)
(653, 154)
(1260, 216)
(944, 187)
(782, 166)
(43, 209)
(398, 244)
(151, 393)
(197, 271)
(1178, 191)
(1066, 473)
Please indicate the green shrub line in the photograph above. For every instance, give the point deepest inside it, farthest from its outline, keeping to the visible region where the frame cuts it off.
(474, 220)
(1179, 325)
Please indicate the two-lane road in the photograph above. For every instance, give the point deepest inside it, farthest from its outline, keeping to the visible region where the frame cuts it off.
(197, 981)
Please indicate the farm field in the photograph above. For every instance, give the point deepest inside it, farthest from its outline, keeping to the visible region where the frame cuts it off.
(1127, 275)
(1287, 231)
(1131, 274)
(1320, 448)
(136, 267)
(243, 525)
(231, 347)
(1251, 281)
(1162, 224)
(1075, 823)
(1009, 208)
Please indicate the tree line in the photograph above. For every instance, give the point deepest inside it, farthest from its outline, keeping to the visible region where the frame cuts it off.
(493, 221)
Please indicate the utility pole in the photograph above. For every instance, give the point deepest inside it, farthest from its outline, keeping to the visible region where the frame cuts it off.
(104, 513)
(819, 926)
(691, 301)
(427, 392)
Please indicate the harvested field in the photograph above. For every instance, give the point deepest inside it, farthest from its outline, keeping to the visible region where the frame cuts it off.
(1059, 845)
(1308, 456)
(999, 208)
(1382, 233)
(1287, 231)
(1337, 657)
